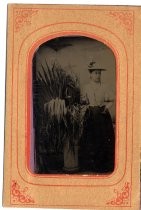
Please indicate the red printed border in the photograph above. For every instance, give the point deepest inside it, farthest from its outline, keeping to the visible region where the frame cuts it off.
(17, 106)
(29, 96)
(29, 66)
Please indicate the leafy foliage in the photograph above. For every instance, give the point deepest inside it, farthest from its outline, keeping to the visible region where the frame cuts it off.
(59, 103)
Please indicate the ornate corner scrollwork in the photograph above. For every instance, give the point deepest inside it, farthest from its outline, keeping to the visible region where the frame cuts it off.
(20, 195)
(23, 17)
(122, 197)
(125, 18)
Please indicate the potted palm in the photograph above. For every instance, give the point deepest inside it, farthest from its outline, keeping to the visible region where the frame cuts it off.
(60, 96)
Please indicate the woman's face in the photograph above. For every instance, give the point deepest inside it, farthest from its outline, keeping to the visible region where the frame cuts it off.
(96, 76)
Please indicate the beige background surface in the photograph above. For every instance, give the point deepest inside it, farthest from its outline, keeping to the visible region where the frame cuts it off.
(118, 26)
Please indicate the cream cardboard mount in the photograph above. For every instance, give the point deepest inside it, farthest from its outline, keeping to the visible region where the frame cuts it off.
(29, 28)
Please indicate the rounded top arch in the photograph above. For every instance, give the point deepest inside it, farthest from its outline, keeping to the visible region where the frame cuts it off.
(74, 53)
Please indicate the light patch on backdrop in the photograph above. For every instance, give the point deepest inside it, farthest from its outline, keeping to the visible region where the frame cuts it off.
(74, 54)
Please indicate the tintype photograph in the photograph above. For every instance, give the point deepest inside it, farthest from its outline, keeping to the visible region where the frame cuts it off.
(74, 107)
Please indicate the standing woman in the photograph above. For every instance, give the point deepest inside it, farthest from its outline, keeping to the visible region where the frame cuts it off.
(97, 146)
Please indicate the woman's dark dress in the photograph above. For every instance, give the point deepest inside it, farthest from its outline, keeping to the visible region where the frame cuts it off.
(97, 147)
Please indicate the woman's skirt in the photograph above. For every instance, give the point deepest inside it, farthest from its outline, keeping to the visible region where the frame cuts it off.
(97, 145)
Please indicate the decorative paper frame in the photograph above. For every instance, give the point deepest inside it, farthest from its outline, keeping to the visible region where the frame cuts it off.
(28, 27)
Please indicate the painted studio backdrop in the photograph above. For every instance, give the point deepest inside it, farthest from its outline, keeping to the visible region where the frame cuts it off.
(60, 116)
